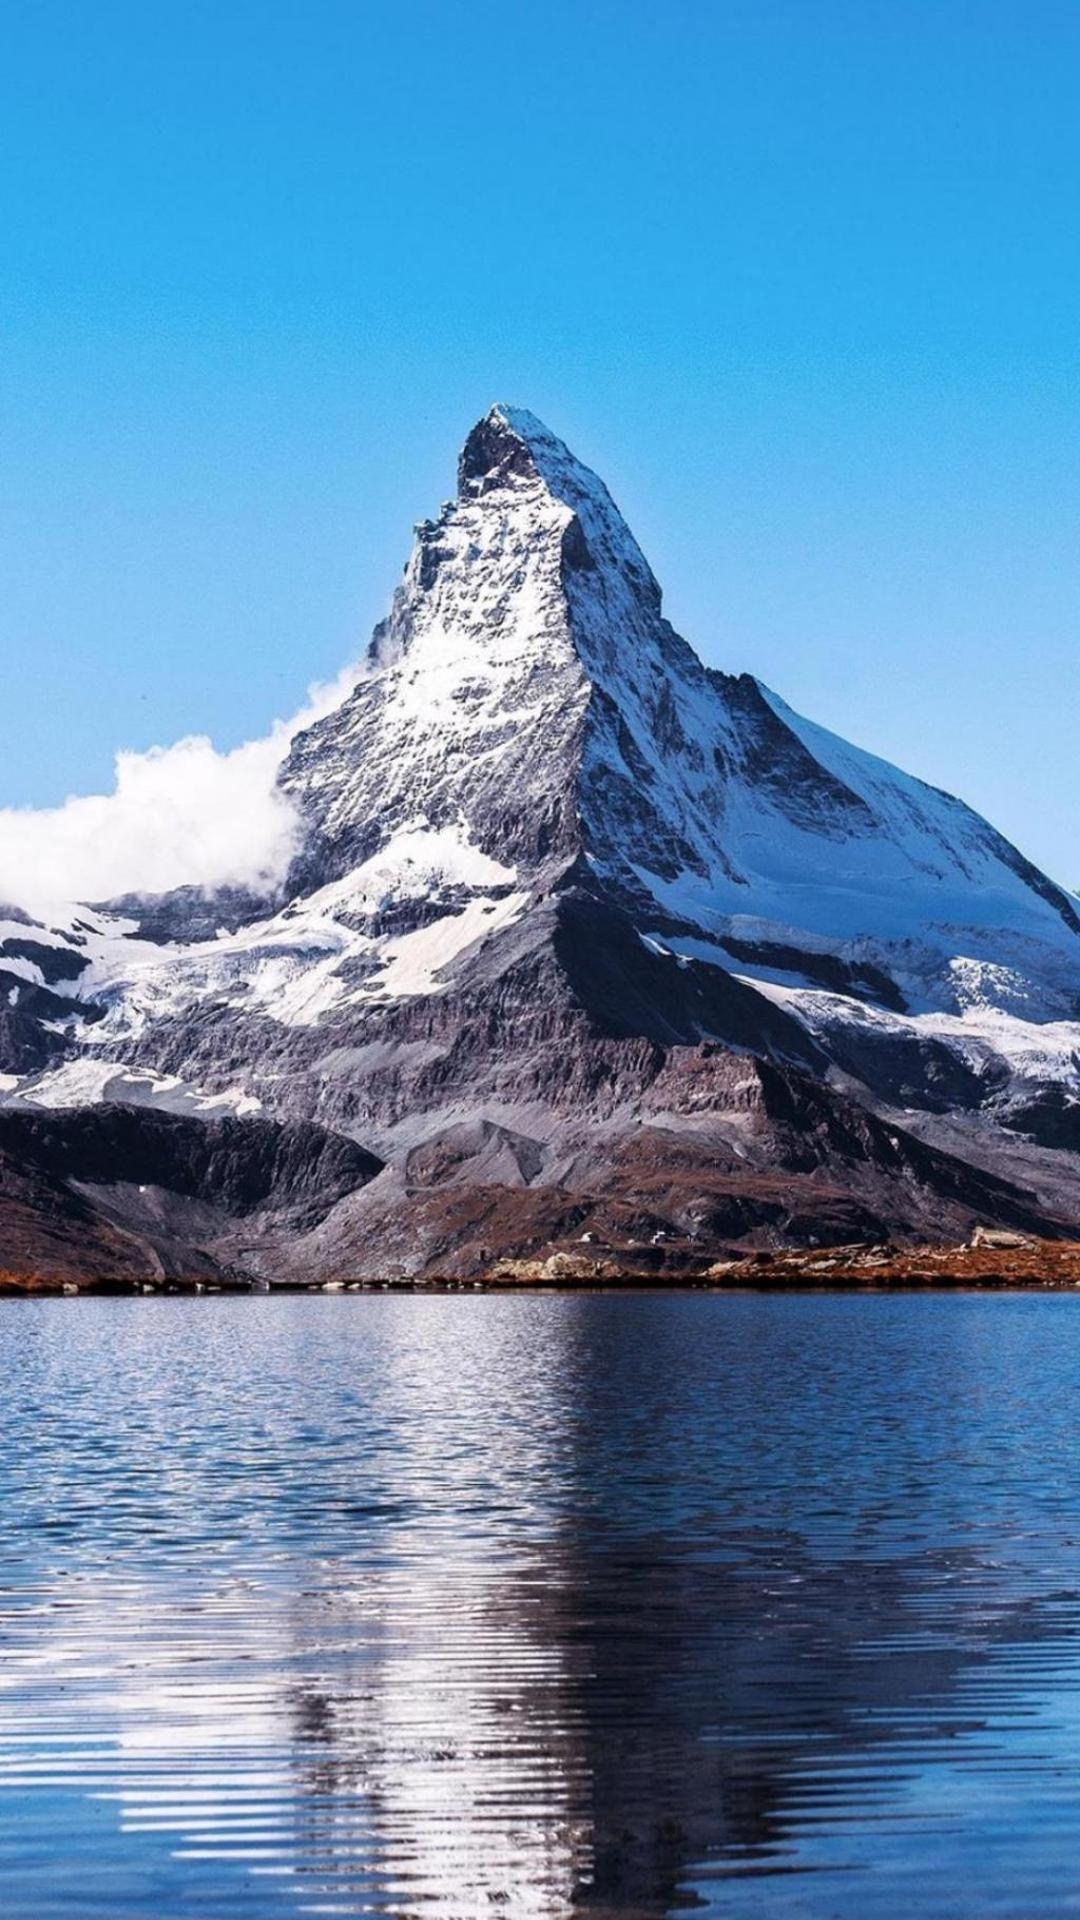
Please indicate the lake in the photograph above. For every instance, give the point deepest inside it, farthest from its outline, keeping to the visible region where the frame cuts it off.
(444, 1606)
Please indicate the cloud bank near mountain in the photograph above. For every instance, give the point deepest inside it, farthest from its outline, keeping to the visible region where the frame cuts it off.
(180, 815)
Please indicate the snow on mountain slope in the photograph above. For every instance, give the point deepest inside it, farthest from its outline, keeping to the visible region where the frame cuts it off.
(395, 926)
(942, 850)
(1043, 1051)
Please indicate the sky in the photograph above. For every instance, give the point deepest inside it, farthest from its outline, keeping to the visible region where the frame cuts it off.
(801, 281)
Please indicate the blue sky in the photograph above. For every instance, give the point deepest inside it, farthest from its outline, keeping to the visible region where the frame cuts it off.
(802, 281)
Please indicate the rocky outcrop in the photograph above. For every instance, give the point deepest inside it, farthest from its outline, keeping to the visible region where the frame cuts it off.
(117, 1193)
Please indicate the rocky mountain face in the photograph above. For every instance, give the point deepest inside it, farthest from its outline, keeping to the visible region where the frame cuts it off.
(592, 945)
(112, 1193)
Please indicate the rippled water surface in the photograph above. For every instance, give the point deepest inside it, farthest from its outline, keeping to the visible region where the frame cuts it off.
(459, 1606)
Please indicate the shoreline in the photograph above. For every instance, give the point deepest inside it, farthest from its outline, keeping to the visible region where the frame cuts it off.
(1003, 1263)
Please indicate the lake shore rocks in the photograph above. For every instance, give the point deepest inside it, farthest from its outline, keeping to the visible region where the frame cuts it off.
(984, 1262)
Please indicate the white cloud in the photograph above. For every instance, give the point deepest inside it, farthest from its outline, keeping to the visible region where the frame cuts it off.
(177, 816)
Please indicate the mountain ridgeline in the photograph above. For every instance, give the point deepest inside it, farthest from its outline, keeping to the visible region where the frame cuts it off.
(586, 948)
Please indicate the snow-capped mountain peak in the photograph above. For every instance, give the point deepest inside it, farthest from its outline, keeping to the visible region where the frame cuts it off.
(551, 866)
(510, 446)
(526, 695)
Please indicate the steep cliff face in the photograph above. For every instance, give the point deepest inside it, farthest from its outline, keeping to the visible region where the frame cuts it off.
(467, 721)
(559, 880)
(112, 1193)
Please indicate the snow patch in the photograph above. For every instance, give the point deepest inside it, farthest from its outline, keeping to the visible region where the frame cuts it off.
(1047, 1050)
(412, 964)
(89, 1082)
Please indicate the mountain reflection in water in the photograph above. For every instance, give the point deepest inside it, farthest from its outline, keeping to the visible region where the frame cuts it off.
(540, 1606)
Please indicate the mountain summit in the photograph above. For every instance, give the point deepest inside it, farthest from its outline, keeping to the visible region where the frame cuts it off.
(582, 934)
(527, 684)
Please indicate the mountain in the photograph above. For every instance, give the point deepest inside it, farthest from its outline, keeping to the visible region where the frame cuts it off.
(591, 944)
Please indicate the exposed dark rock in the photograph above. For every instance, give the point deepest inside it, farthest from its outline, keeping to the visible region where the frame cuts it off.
(53, 1234)
(492, 452)
(26, 1043)
(241, 1165)
(775, 759)
(189, 913)
(103, 1190)
(858, 977)
(909, 1069)
(53, 963)
(1052, 1118)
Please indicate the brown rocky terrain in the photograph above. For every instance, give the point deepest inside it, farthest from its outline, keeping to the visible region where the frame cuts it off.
(992, 1258)
(111, 1197)
(1019, 1263)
